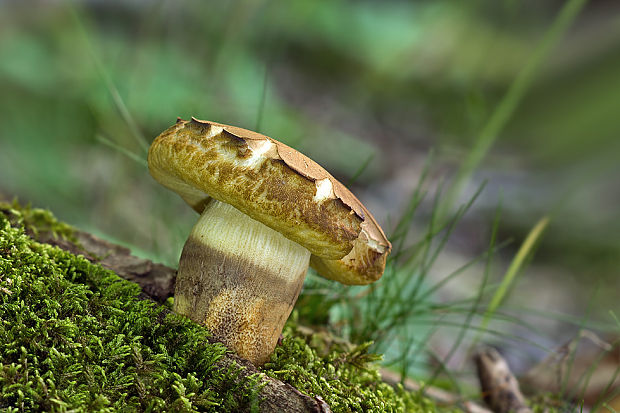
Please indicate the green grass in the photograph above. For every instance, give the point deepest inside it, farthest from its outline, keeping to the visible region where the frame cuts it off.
(513, 97)
(399, 314)
(515, 266)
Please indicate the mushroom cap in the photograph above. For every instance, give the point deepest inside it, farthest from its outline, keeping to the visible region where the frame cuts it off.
(276, 185)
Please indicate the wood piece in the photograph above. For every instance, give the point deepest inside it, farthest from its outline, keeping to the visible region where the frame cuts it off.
(500, 388)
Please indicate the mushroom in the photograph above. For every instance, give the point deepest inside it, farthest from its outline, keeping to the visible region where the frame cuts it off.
(267, 212)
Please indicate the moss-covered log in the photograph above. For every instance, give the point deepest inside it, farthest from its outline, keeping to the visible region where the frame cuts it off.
(73, 334)
(54, 305)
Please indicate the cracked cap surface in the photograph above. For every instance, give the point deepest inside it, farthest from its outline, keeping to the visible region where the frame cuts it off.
(276, 185)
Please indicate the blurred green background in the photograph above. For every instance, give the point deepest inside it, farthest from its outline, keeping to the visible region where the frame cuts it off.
(359, 86)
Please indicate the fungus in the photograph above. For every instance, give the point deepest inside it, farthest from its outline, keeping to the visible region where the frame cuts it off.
(267, 212)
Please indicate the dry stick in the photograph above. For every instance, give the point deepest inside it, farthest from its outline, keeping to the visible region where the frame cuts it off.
(500, 388)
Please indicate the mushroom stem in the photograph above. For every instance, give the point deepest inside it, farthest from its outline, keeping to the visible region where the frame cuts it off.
(240, 279)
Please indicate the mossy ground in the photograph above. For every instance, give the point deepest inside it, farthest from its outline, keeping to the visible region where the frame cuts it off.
(349, 374)
(74, 336)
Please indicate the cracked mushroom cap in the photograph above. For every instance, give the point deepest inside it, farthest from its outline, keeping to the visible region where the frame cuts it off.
(276, 185)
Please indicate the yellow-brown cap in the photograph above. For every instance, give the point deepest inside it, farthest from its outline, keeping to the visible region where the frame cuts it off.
(276, 185)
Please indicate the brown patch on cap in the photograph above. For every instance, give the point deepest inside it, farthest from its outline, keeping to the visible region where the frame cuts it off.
(276, 185)
(363, 265)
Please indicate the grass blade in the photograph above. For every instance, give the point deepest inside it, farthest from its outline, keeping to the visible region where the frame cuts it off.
(511, 99)
(107, 79)
(261, 102)
(124, 151)
(516, 264)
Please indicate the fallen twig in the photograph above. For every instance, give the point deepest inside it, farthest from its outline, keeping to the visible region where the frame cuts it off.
(500, 388)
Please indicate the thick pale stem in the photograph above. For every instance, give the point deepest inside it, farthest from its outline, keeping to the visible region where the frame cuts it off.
(240, 279)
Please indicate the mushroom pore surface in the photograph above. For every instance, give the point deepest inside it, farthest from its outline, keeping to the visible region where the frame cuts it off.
(240, 279)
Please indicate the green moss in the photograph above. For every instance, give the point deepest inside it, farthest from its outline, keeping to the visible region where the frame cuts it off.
(552, 403)
(74, 336)
(346, 377)
(36, 221)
